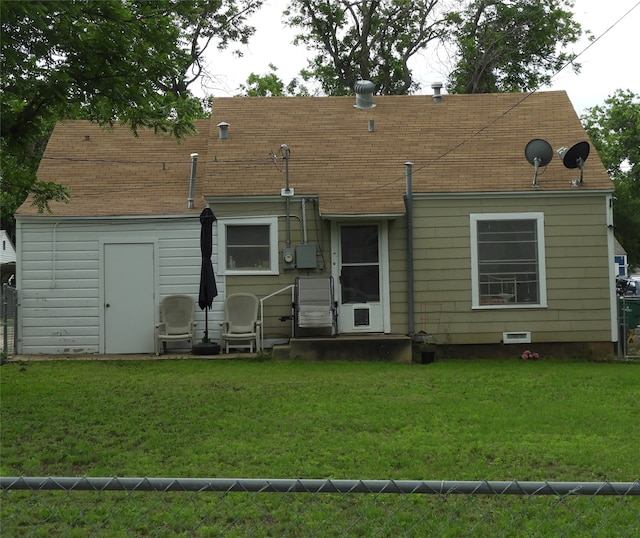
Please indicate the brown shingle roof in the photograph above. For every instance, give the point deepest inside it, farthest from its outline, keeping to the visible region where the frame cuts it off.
(113, 172)
(465, 143)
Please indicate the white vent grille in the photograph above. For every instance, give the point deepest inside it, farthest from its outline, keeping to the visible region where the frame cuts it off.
(523, 337)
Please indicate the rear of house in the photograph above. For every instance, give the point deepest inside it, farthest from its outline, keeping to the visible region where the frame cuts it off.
(496, 259)
(423, 213)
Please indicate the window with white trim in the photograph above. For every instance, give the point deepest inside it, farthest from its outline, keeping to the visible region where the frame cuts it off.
(248, 245)
(507, 260)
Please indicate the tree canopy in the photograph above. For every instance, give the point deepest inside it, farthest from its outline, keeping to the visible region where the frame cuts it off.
(104, 60)
(496, 45)
(515, 45)
(614, 129)
(367, 39)
(271, 85)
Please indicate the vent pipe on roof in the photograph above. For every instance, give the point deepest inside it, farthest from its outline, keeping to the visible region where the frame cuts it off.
(192, 184)
(364, 94)
(437, 86)
(223, 130)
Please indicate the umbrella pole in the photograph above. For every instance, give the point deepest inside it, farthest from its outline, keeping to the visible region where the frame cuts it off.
(206, 324)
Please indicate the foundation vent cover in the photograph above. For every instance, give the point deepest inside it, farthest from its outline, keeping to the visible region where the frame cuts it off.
(523, 337)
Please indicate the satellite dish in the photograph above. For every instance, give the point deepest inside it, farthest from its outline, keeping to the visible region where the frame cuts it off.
(574, 157)
(539, 153)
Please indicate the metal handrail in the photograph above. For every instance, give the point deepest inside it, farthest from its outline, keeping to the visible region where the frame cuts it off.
(263, 299)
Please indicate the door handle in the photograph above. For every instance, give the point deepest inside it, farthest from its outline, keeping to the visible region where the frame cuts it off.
(107, 305)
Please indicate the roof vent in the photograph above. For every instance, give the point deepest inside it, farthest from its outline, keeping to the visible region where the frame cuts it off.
(364, 94)
(223, 130)
(437, 86)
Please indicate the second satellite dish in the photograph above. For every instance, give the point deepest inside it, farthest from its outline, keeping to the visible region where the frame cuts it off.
(539, 153)
(574, 157)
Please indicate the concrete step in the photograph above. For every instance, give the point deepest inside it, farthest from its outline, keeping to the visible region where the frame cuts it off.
(366, 347)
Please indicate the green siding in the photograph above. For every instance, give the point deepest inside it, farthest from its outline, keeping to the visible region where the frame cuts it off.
(577, 268)
(318, 233)
(577, 271)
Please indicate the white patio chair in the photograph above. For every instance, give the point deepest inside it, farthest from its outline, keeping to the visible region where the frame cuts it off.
(176, 321)
(241, 328)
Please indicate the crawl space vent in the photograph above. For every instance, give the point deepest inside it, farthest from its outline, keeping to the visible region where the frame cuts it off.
(517, 337)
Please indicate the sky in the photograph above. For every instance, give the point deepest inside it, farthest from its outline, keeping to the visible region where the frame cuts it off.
(608, 64)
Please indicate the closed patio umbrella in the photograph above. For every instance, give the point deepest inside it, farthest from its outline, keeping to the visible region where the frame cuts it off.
(208, 288)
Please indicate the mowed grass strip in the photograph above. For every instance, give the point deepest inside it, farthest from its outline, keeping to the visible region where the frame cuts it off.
(449, 420)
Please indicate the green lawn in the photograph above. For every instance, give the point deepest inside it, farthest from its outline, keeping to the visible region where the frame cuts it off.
(449, 420)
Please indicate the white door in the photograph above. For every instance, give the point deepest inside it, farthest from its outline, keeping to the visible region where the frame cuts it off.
(360, 277)
(129, 301)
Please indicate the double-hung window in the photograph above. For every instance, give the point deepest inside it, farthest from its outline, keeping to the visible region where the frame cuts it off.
(507, 260)
(249, 245)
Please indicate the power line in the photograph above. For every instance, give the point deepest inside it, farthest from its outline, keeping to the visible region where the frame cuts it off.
(594, 41)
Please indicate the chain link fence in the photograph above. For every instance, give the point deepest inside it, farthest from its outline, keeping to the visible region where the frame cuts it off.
(8, 320)
(38, 506)
(629, 319)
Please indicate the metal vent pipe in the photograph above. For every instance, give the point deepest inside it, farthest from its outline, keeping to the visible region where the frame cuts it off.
(223, 130)
(192, 183)
(437, 87)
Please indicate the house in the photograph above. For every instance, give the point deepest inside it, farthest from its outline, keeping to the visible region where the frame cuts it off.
(7, 257)
(620, 259)
(430, 213)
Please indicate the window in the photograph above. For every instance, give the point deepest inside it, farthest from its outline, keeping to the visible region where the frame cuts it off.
(249, 246)
(507, 260)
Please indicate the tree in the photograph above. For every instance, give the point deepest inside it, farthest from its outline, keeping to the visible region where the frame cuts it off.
(271, 85)
(512, 45)
(103, 60)
(365, 39)
(614, 129)
(499, 45)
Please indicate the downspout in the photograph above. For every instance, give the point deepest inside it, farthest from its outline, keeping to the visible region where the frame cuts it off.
(54, 254)
(287, 192)
(303, 208)
(612, 277)
(192, 183)
(408, 200)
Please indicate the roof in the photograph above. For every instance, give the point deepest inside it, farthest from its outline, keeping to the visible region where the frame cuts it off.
(112, 172)
(352, 159)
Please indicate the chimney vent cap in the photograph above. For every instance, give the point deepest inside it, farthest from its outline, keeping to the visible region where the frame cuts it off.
(223, 130)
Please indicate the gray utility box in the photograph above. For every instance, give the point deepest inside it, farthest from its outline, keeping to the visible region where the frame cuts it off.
(306, 256)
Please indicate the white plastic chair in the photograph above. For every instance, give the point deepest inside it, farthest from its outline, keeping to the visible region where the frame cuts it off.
(176, 321)
(241, 328)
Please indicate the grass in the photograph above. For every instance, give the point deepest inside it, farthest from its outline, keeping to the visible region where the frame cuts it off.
(450, 420)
